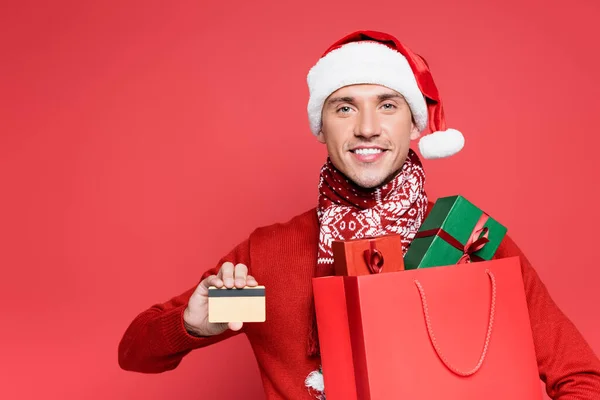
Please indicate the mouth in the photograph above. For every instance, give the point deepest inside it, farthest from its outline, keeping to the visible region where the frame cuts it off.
(367, 150)
(368, 154)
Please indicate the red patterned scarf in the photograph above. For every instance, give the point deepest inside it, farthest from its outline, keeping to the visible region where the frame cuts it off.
(347, 211)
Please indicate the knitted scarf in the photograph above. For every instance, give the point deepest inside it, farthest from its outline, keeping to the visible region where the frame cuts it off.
(346, 211)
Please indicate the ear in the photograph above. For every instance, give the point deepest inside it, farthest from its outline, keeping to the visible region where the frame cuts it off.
(321, 137)
(414, 132)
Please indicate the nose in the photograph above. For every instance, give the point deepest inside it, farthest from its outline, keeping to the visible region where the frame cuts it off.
(368, 124)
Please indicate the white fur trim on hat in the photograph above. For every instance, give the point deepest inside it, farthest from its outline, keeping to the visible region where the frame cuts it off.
(441, 144)
(363, 63)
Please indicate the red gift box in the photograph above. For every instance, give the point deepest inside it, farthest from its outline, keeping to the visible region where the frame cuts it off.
(455, 332)
(367, 256)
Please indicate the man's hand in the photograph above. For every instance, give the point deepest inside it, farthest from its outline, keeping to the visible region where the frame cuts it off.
(195, 316)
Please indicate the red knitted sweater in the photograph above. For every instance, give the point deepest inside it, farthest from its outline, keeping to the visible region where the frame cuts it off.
(283, 258)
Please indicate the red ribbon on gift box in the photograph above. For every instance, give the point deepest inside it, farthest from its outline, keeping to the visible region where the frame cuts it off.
(373, 258)
(475, 243)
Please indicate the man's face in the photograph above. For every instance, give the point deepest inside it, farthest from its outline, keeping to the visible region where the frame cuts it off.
(367, 130)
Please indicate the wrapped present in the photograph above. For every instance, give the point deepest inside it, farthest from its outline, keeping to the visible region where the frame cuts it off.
(454, 232)
(455, 332)
(368, 255)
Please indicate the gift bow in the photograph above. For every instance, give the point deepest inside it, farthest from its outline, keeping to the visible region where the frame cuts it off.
(373, 258)
(478, 239)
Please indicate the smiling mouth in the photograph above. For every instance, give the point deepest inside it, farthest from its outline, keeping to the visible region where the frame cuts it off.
(367, 152)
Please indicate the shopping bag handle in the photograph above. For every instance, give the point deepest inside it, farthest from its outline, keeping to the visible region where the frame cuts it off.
(487, 338)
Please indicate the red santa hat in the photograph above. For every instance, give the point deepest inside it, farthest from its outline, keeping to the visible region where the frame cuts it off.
(370, 57)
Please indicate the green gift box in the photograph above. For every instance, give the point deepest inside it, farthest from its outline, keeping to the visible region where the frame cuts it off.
(454, 232)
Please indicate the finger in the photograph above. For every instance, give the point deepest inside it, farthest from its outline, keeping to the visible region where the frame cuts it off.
(251, 281)
(240, 275)
(202, 288)
(220, 273)
(212, 280)
(235, 326)
(226, 272)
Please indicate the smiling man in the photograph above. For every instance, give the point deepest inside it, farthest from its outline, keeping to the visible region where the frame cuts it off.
(370, 96)
(357, 121)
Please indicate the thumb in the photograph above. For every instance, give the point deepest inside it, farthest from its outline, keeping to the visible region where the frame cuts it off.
(235, 326)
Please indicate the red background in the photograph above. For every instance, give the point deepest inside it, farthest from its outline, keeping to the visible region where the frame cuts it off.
(139, 141)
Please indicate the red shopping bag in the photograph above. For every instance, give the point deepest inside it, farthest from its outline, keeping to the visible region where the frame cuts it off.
(454, 332)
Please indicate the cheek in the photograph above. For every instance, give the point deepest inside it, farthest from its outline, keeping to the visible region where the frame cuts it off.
(335, 133)
(400, 120)
(334, 147)
(399, 129)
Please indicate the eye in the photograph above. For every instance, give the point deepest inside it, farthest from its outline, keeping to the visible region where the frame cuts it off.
(389, 106)
(344, 109)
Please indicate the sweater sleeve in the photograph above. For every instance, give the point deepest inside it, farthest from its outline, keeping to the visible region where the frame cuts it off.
(156, 340)
(566, 362)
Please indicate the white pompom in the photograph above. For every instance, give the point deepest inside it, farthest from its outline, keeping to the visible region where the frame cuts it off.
(441, 144)
(315, 381)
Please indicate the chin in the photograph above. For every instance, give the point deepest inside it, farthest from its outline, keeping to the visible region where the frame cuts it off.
(372, 179)
(366, 176)
(367, 182)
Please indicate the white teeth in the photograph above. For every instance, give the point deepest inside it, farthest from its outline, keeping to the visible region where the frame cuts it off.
(368, 151)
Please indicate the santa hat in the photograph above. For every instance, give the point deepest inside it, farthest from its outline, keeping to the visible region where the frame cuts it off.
(369, 57)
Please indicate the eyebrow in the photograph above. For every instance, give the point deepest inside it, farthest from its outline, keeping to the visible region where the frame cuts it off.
(389, 96)
(348, 99)
(335, 100)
